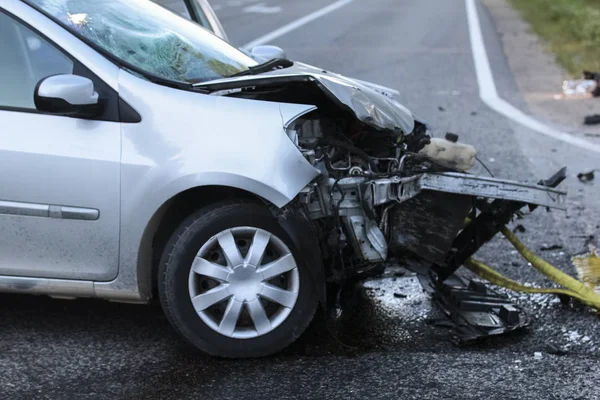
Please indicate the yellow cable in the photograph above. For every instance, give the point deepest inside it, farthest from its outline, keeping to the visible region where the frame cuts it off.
(493, 276)
(574, 288)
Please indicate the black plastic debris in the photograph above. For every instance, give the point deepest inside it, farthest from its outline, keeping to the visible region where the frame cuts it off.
(400, 296)
(586, 176)
(440, 323)
(519, 228)
(555, 350)
(474, 311)
(441, 108)
(551, 247)
(592, 119)
(593, 76)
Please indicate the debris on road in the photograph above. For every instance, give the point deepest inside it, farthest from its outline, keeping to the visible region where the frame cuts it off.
(400, 296)
(587, 266)
(589, 85)
(586, 176)
(551, 247)
(595, 76)
(537, 355)
(440, 108)
(519, 228)
(579, 87)
(592, 119)
(555, 350)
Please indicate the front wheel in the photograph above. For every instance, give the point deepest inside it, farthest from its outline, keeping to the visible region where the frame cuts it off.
(233, 284)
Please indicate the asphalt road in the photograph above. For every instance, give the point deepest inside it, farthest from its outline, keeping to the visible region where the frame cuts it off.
(95, 349)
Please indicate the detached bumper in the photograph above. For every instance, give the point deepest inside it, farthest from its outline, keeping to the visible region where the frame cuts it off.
(401, 189)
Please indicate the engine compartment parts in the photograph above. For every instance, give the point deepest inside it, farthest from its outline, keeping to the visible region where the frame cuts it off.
(449, 153)
(386, 189)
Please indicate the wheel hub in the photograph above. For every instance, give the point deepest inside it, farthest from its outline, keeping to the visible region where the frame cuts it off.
(245, 283)
(243, 275)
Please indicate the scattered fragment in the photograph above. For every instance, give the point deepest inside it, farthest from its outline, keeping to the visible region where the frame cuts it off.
(587, 266)
(473, 113)
(555, 350)
(538, 355)
(551, 247)
(515, 264)
(400, 296)
(519, 228)
(596, 77)
(441, 108)
(579, 87)
(492, 159)
(573, 336)
(592, 119)
(441, 323)
(586, 176)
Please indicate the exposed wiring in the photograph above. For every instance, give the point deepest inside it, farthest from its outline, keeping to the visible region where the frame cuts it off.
(484, 166)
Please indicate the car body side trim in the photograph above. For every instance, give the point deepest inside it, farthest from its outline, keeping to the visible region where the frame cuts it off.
(48, 211)
(53, 287)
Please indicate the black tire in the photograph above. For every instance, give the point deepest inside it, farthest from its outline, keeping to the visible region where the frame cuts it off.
(175, 268)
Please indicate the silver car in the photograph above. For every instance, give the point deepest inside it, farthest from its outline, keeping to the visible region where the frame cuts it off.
(144, 156)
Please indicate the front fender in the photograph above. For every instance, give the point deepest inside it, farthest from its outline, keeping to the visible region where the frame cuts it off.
(186, 140)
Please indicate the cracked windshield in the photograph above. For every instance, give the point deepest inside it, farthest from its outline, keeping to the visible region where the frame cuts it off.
(148, 38)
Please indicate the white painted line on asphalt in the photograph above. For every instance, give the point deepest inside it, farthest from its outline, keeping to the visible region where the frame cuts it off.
(295, 24)
(489, 94)
(262, 8)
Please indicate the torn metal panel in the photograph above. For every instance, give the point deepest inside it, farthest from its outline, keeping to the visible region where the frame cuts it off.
(402, 189)
(371, 104)
(474, 311)
(493, 188)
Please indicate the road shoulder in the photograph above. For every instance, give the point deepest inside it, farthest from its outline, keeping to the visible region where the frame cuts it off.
(538, 77)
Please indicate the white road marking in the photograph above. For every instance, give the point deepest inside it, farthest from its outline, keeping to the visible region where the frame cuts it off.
(262, 8)
(489, 94)
(296, 24)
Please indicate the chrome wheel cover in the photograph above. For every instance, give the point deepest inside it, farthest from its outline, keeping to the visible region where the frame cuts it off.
(244, 282)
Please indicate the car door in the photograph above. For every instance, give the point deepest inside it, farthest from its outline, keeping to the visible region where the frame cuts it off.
(60, 178)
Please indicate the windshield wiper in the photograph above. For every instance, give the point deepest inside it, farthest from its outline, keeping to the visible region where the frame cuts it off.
(275, 63)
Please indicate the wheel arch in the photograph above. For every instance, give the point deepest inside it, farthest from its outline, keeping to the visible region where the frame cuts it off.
(169, 216)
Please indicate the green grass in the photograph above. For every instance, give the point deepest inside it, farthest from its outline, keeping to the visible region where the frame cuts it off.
(571, 28)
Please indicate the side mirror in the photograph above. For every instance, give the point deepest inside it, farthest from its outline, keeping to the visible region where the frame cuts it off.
(67, 94)
(266, 52)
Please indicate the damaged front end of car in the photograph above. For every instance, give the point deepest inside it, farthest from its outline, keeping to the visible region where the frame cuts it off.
(387, 191)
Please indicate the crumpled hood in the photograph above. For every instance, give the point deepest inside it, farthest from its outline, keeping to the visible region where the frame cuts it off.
(372, 104)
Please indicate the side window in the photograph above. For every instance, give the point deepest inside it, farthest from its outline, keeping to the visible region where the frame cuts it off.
(177, 6)
(26, 59)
